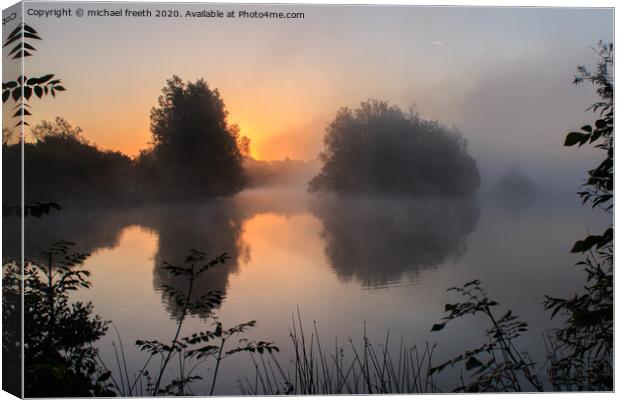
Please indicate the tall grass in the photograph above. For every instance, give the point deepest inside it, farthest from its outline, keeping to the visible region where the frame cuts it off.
(353, 368)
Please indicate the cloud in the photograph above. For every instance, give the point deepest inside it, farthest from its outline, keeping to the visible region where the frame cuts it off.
(437, 43)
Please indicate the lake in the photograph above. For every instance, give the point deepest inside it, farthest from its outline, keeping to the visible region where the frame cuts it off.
(347, 265)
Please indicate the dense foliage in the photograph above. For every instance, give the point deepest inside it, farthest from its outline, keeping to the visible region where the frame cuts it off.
(195, 152)
(379, 149)
(63, 166)
(583, 347)
(60, 359)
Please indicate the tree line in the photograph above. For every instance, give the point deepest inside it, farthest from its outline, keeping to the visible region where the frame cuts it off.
(195, 153)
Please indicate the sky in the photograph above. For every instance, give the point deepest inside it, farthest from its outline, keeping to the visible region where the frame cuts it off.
(502, 76)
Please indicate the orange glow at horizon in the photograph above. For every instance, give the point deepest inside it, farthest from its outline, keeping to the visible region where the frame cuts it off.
(132, 136)
(268, 139)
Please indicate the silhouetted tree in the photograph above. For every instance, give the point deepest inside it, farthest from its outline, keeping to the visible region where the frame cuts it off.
(514, 191)
(63, 166)
(379, 149)
(195, 152)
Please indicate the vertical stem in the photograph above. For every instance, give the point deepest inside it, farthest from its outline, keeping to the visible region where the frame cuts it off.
(217, 366)
(50, 299)
(506, 349)
(176, 335)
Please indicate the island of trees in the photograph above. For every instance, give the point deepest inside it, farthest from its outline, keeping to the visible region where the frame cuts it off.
(377, 149)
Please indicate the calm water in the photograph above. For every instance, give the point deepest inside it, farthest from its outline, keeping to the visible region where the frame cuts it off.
(342, 263)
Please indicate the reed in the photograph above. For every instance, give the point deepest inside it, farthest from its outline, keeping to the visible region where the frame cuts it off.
(352, 368)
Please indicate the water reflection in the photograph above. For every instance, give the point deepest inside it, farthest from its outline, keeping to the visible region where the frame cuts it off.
(375, 241)
(372, 241)
(90, 229)
(213, 228)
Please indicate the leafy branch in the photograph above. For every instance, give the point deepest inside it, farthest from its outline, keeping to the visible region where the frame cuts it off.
(199, 346)
(504, 367)
(23, 88)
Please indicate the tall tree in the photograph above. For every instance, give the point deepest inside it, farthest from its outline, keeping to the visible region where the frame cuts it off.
(195, 152)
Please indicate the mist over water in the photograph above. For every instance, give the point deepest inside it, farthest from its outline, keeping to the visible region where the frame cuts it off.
(385, 262)
(375, 240)
(366, 249)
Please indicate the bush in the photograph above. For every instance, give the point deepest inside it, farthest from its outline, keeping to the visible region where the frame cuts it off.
(379, 149)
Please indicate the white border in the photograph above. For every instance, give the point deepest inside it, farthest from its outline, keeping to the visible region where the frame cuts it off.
(488, 3)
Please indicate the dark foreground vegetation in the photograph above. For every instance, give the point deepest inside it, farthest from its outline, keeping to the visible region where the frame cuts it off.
(59, 337)
(60, 360)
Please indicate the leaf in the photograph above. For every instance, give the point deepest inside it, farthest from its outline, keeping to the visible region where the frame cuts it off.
(32, 36)
(438, 327)
(11, 40)
(586, 128)
(15, 49)
(45, 78)
(18, 113)
(105, 376)
(21, 54)
(473, 362)
(27, 92)
(582, 246)
(38, 90)
(575, 137)
(30, 29)
(14, 31)
(5, 95)
(597, 134)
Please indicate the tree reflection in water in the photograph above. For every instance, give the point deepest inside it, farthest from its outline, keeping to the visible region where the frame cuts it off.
(376, 240)
(212, 228)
